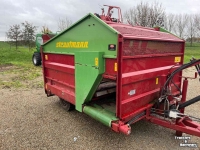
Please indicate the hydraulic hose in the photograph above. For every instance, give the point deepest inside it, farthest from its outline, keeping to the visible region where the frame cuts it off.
(184, 66)
(189, 102)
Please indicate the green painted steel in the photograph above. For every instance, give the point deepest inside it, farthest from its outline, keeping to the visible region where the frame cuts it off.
(100, 114)
(88, 34)
(38, 42)
(89, 67)
(166, 31)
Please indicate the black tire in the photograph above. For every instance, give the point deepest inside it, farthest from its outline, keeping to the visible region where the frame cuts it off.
(36, 59)
(66, 105)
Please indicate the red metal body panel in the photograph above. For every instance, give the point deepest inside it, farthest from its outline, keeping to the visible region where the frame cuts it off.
(110, 72)
(59, 75)
(143, 69)
(47, 37)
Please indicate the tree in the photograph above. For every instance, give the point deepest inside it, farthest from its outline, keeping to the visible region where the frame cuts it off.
(64, 23)
(146, 15)
(170, 22)
(197, 23)
(191, 28)
(14, 33)
(28, 33)
(45, 30)
(181, 24)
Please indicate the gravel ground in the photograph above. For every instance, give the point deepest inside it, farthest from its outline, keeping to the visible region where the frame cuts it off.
(30, 120)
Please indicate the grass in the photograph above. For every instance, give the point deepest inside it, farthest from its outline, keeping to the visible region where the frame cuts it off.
(21, 70)
(193, 51)
(20, 57)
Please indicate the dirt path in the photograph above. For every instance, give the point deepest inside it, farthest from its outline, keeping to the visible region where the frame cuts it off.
(30, 120)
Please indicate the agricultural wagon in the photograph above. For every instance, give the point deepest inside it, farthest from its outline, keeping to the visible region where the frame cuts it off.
(119, 74)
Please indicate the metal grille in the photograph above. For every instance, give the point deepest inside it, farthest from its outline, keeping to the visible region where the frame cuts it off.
(139, 47)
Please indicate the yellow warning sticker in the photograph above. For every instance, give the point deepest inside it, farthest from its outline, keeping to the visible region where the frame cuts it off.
(177, 59)
(46, 57)
(96, 61)
(156, 80)
(115, 67)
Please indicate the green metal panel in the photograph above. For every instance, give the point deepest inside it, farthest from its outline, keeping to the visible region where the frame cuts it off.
(102, 115)
(37, 43)
(89, 67)
(88, 34)
(164, 30)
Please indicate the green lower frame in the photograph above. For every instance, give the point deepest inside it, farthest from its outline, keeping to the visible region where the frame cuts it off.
(100, 114)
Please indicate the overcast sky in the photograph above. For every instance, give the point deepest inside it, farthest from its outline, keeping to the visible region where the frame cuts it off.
(43, 12)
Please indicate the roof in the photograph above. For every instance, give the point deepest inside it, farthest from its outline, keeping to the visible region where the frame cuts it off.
(80, 21)
(138, 32)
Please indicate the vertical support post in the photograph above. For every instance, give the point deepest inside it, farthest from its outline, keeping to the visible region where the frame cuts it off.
(119, 77)
(184, 94)
(43, 68)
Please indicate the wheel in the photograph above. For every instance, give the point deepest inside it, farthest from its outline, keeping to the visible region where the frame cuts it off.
(66, 105)
(36, 59)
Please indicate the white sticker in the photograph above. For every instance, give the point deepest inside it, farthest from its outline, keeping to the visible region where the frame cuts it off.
(132, 92)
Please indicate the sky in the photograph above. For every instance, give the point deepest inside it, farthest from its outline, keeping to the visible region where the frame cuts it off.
(43, 12)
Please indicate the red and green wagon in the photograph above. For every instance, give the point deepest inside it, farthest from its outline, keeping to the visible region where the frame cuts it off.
(119, 74)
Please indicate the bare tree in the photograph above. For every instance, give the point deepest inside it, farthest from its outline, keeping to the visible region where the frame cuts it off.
(170, 22)
(181, 24)
(28, 33)
(14, 33)
(45, 30)
(146, 15)
(191, 28)
(197, 24)
(64, 23)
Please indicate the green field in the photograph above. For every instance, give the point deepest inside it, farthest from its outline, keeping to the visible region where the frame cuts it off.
(16, 68)
(20, 57)
(193, 51)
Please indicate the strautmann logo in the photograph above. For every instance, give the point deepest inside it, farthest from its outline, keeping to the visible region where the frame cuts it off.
(72, 44)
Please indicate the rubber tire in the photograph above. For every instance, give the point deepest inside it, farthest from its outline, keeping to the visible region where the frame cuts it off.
(36, 59)
(66, 105)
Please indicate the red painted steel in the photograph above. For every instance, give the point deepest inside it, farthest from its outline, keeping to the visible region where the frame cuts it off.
(130, 32)
(184, 125)
(144, 68)
(110, 68)
(184, 92)
(47, 37)
(59, 75)
(142, 47)
(121, 127)
(119, 77)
